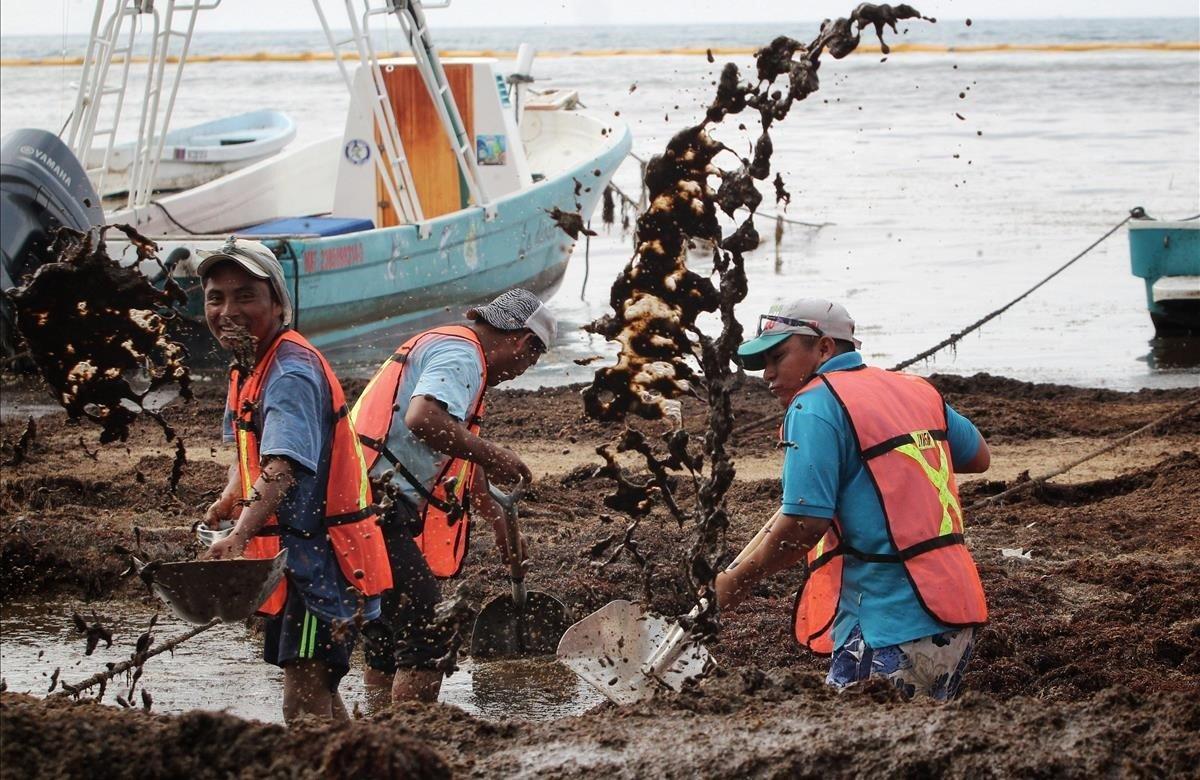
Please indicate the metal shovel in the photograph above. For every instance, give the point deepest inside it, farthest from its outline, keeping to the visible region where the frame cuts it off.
(628, 654)
(527, 622)
(198, 591)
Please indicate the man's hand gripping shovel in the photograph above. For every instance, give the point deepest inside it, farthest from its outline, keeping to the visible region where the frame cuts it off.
(628, 654)
(527, 622)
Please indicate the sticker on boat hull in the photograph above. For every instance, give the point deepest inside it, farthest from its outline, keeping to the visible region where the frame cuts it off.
(491, 149)
(357, 151)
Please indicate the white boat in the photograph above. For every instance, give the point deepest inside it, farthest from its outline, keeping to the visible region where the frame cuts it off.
(195, 155)
(435, 196)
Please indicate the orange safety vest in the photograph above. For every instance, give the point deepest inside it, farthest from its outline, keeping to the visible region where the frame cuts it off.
(352, 527)
(445, 512)
(899, 422)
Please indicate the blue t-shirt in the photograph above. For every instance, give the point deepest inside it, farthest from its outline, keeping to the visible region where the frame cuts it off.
(297, 423)
(823, 474)
(443, 367)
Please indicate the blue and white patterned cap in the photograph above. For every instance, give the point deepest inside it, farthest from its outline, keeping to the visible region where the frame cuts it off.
(518, 309)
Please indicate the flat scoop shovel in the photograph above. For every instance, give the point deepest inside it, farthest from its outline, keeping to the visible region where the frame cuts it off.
(527, 622)
(628, 654)
(198, 591)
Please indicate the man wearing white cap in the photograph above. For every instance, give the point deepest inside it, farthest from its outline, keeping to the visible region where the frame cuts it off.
(418, 421)
(299, 482)
(869, 498)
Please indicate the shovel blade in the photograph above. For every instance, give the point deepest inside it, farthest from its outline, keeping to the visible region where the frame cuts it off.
(608, 647)
(198, 591)
(503, 631)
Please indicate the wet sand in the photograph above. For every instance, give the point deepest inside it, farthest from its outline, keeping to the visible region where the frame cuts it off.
(1091, 663)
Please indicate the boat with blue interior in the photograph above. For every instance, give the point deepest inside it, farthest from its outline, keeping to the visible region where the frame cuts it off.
(435, 196)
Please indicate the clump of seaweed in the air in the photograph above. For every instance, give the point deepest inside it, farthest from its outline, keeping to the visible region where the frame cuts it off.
(657, 298)
(91, 324)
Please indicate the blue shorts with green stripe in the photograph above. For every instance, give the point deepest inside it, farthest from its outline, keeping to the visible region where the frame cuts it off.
(298, 635)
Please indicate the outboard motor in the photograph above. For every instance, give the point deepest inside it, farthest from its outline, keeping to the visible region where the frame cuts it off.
(42, 188)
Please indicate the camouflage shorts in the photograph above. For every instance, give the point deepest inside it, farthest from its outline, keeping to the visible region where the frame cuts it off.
(931, 666)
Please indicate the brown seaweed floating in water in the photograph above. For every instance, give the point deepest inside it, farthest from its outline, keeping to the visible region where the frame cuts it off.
(657, 298)
(90, 323)
(95, 632)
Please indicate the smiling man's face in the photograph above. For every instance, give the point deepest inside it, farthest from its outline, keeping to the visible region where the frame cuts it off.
(233, 299)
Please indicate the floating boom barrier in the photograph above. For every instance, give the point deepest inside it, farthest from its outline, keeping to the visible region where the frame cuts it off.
(724, 51)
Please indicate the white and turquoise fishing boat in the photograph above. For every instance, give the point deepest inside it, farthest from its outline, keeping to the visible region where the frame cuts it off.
(1167, 256)
(436, 196)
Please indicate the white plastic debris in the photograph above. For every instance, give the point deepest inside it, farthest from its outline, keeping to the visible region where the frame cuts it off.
(1016, 552)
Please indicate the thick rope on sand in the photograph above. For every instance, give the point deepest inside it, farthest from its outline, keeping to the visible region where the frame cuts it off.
(1021, 487)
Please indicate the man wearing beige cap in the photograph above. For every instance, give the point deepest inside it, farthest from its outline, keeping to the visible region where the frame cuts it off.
(299, 482)
(869, 498)
(418, 421)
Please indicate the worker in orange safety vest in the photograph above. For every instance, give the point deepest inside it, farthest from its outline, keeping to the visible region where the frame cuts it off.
(299, 482)
(870, 501)
(419, 420)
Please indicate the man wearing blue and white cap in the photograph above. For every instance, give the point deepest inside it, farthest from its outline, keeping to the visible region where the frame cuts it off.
(418, 420)
(869, 465)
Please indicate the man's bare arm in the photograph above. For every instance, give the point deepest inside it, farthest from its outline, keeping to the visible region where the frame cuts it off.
(226, 504)
(271, 486)
(787, 540)
(431, 423)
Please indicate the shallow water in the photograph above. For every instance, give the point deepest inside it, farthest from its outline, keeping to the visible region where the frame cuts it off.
(933, 220)
(221, 668)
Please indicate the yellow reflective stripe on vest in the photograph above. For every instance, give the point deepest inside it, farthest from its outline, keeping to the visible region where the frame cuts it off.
(244, 464)
(820, 548)
(366, 391)
(364, 484)
(940, 478)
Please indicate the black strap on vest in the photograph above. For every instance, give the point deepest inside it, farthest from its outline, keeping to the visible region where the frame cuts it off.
(453, 509)
(908, 553)
(899, 441)
(280, 530)
(349, 517)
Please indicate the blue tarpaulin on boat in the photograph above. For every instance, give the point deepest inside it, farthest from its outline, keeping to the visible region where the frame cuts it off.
(321, 226)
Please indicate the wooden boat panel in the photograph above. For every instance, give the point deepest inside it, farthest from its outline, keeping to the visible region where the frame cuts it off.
(430, 157)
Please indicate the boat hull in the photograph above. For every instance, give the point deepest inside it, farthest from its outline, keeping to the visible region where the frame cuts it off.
(1166, 255)
(357, 295)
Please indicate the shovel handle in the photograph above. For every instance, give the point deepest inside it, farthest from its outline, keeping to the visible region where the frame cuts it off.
(512, 527)
(669, 649)
(753, 544)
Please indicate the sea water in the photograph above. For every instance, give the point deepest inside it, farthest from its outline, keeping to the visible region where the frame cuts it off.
(946, 183)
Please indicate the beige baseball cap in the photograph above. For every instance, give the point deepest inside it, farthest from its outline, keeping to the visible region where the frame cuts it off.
(255, 259)
(805, 317)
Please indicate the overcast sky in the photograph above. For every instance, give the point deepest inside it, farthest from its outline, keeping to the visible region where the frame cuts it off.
(46, 17)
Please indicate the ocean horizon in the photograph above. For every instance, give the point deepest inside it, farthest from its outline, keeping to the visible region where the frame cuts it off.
(566, 38)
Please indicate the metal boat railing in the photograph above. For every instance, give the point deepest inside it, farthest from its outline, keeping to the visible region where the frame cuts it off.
(412, 20)
(391, 162)
(97, 91)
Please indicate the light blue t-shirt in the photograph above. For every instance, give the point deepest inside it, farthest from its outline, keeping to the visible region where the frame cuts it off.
(447, 369)
(296, 421)
(823, 473)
